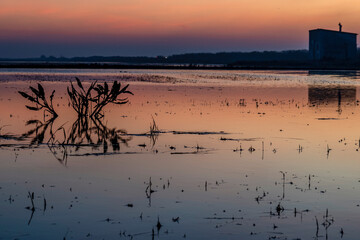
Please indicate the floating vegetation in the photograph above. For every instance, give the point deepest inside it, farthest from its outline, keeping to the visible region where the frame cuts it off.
(239, 139)
(200, 133)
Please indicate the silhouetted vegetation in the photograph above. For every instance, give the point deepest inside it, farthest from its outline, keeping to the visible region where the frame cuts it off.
(40, 100)
(88, 129)
(232, 57)
(291, 59)
(81, 99)
(186, 58)
(85, 132)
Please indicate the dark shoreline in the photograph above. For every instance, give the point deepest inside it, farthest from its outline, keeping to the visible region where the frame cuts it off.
(240, 66)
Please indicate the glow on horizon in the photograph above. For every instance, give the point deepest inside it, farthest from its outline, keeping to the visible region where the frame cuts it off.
(279, 24)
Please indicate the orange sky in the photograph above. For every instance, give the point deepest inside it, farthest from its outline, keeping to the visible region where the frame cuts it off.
(277, 22)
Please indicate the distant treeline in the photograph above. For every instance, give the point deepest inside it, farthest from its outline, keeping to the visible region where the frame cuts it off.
(233, 57)
(292, 59)
(188, 58)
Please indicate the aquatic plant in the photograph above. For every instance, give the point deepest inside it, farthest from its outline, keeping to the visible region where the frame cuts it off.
(154, 129)
(154, 132)
(100, 95)
(80, 99)
(39, 99)
(105, 96)
(89, 102)
(88, 129)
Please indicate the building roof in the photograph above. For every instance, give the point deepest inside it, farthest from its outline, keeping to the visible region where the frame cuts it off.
(326, 30)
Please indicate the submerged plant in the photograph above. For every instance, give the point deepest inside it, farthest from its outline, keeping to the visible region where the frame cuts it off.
(39, 99)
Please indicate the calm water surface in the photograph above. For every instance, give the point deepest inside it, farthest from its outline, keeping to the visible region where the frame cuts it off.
(238, 155)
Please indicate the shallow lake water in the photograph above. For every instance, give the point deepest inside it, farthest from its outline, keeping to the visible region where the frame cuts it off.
(236, 155)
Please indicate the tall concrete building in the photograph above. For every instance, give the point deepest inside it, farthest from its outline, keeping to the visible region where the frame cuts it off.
(332, 45)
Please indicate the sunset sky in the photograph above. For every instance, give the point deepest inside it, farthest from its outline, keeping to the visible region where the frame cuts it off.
(163, 27)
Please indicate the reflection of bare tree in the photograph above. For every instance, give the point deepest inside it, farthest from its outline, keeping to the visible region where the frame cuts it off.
(85, 132)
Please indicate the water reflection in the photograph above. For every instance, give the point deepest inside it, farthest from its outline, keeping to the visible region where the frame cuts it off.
(85, 132)
(93, 132)
(343, 73)
(266, 171)
(38, 131)
(330, 95)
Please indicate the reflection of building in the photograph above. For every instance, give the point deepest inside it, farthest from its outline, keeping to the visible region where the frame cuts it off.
(325, 95)
(332, 45)
(352, 74)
